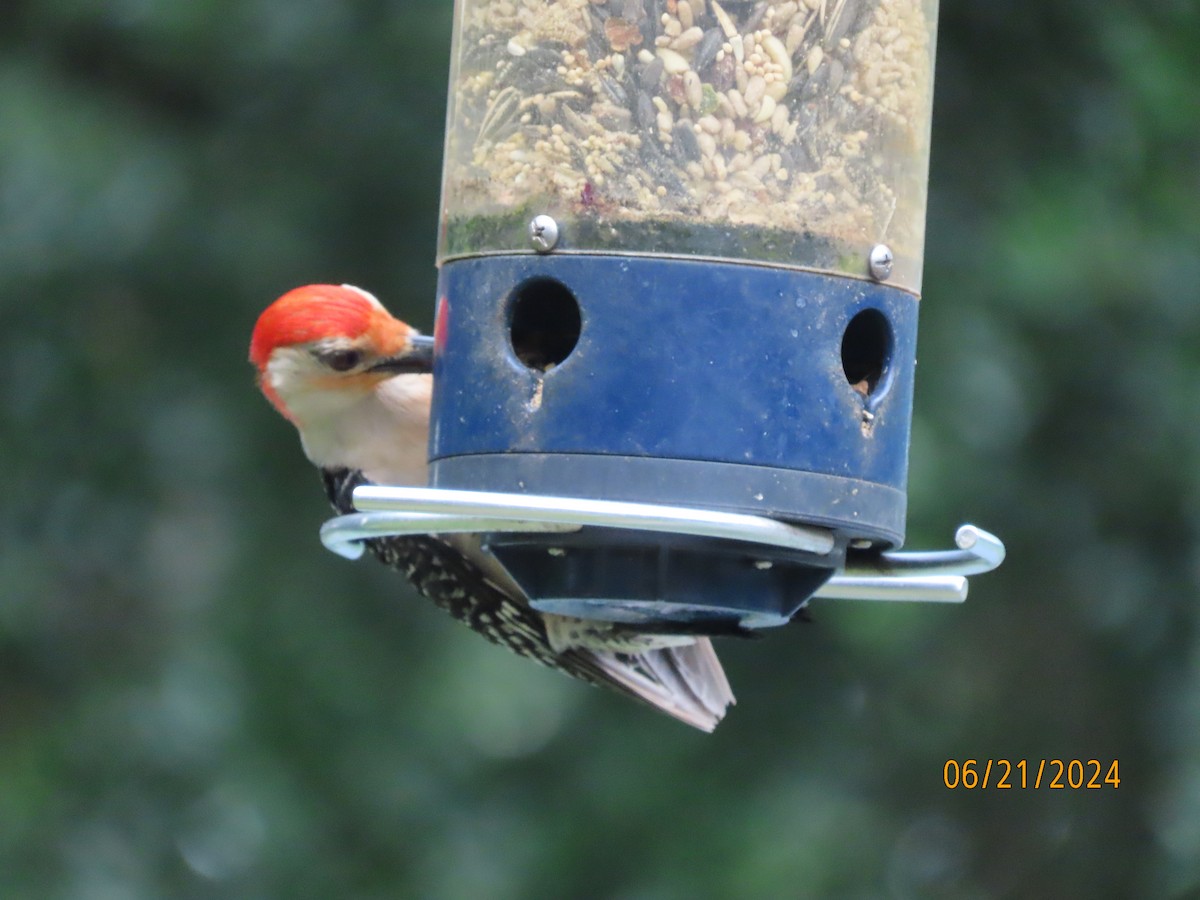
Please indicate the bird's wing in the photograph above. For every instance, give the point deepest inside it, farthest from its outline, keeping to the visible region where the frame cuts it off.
(686, 682)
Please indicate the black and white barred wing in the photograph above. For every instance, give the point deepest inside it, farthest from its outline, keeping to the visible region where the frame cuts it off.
(677, 674)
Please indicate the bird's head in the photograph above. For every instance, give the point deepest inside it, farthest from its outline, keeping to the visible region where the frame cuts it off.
(354, 381)
(323, 347)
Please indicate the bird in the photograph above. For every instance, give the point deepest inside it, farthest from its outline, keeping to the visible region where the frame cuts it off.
(357, 384)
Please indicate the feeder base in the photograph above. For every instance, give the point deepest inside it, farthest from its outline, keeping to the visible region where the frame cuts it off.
(703, 586)
(859, 510)
(774, 392)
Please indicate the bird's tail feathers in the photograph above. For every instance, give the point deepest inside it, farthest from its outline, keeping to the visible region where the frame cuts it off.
(687, 683)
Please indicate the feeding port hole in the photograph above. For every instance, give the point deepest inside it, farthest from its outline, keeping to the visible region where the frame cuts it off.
(866, 350)
(544, 323)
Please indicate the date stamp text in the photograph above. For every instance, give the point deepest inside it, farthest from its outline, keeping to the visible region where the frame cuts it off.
(1031, 774)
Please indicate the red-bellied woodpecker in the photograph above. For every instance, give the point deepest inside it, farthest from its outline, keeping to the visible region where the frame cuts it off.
(356, 383)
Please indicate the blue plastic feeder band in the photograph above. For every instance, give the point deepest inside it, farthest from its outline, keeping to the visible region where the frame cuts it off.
(690, 383)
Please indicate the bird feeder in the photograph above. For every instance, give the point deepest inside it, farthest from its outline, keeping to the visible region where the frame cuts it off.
(680, 267)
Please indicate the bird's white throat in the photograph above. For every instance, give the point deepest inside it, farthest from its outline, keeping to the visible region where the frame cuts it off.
(384, 433)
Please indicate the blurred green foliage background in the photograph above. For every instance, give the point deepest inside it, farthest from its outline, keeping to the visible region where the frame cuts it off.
(197, 700)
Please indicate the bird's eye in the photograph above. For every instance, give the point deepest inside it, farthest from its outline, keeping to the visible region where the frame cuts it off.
(342, 360)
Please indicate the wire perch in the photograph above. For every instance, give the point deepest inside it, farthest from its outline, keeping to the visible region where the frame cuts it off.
(920, 576)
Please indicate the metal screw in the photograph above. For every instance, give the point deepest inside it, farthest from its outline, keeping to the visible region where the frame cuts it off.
(543, 233)
(881, 260)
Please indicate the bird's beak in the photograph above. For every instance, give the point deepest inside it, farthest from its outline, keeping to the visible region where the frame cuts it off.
(415, 358)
